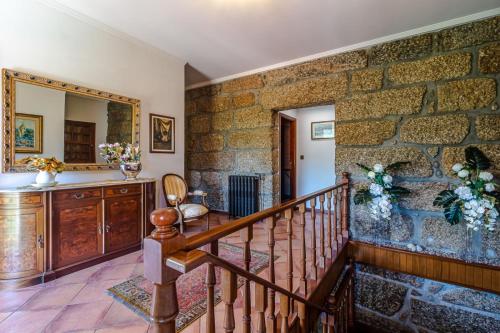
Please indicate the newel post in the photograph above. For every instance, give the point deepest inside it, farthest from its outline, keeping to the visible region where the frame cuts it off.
(345, 204)
(164, 240)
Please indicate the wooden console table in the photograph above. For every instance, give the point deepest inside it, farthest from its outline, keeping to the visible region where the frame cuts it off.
(50, 232)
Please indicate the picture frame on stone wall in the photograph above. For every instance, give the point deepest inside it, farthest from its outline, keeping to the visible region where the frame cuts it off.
(161, 134)
(323, 130)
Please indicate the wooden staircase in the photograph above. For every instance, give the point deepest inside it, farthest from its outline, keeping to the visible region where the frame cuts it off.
(306, 307)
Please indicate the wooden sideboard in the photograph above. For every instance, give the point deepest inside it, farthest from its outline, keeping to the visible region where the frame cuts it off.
(46, 233)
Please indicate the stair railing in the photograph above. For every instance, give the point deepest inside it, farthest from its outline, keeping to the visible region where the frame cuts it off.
(168, 254)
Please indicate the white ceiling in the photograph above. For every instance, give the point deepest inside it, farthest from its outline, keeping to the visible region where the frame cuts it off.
(220, 38)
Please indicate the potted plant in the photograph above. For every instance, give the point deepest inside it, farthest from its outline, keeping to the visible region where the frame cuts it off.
(47, 169)
(126, 154)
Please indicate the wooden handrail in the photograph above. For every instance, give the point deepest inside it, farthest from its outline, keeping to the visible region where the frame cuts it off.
(219, 232)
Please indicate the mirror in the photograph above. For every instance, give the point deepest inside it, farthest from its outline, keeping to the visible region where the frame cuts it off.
(50, 118)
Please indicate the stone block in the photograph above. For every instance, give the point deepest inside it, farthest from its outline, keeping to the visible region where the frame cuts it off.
(257, 138)
(213, 104)
(243, 83)
(491, 246)
(435, 129)
(190, 107)
(356, 133)
(437, 233)
(222, 121)
(435, 68)
(445, 319)
(488, 127)
(474, 33)
(216, 161)
(380, 104)
(193, 179)
(382, 324)
(212, 142)
(452, 155)
(253, 117)
(255, 161)
(192, 143)
(382, 296)
(346, 159)
(367, 79)
(404, 49)
(464, 95)
(199, 124)
(421, 195)
(243, 100)
(489, 59)
(316, 68)
(475, 299)
(305, 93)
(400, 227)
(364, 227)
(214, 180)
(412, 280)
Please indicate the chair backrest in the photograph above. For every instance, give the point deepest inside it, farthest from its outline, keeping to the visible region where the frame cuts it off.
(174, 185)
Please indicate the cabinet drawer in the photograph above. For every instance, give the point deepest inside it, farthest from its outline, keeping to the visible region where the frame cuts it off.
(84, 193)
(21, 199)
(114, 191)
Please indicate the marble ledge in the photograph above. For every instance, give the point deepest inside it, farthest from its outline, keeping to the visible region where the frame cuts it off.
(68, 186)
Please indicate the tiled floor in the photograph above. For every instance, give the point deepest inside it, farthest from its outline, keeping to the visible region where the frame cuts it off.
(78, 302)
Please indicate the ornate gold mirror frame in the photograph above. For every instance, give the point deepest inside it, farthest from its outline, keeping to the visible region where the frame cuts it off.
(9, 79)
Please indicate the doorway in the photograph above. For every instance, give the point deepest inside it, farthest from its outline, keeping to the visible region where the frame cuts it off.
(288, 153)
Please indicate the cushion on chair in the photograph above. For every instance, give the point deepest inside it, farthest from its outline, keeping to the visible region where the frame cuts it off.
(172, 197)
(193, 210)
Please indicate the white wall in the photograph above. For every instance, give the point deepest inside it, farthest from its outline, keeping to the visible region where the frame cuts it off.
(41, 40)
(317, 169)
(92, 111)
(48, 103)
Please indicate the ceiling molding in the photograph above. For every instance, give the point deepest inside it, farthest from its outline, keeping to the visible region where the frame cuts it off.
(357, 46)
(54, 4)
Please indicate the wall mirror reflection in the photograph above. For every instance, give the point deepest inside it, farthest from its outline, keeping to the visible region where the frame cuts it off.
(54, 119)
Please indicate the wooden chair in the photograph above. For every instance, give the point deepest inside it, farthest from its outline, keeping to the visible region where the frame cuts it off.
(176, 194)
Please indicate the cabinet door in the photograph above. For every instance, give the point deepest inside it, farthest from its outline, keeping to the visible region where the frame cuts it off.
(21, 242)
(122, 222)
(77, 231)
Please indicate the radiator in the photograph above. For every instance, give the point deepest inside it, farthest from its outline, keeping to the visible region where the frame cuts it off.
(243, 195)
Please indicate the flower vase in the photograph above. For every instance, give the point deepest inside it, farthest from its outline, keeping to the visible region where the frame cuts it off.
(45, 178)
(470, 253)
(130, 170)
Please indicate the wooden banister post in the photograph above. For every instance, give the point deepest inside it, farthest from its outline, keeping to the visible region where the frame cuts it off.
(260, 307)
(210, 281)
(271, 317)
(229, 293)
(303, 253)
(345, 204)
(164, 240)
(246, 236)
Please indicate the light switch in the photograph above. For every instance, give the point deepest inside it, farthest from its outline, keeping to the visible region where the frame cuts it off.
(301, 157)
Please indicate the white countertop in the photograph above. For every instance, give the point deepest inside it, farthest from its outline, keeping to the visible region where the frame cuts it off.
(66, 186)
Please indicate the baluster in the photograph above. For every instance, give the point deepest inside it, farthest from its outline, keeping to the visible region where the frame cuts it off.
(284, 311)
(345, 204)
(351, 294)
(246, 236)
(338, 217)
(302, 314)
(229, 293)
(324, 323)
(260, 307)
(322, 259)
(314, 267)
(329, 250)
(289, 232)
(303, 280)
(163, 241)
(210, 323)
(271, 317)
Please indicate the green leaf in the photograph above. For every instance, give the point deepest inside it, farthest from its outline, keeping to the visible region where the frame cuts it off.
(364, 167)
(396, 166)
(453, 213)
(476, 159)
(398, 190)
(362, 197)
(445, 198)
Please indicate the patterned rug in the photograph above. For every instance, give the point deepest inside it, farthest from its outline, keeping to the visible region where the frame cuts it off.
(191, 289)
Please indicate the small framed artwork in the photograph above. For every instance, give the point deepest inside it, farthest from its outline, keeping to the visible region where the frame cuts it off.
(322, 130)
(161, 134)
(28, 136)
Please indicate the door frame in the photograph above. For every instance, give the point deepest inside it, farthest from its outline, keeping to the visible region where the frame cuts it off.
(293, 143)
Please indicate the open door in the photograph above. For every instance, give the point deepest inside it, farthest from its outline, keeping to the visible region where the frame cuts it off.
(288, 146)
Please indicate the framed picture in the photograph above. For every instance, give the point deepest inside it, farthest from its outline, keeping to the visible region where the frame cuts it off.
(322, 130)
(161, 134)
(28, 136)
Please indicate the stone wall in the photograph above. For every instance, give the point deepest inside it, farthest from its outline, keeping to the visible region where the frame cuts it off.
(395, 302)
(422, 99)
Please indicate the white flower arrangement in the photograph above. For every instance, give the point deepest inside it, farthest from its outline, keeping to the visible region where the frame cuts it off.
(381, 194)
(475, 200)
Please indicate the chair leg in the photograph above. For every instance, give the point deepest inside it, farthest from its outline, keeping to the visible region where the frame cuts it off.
(182, 226)
(208, 221)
